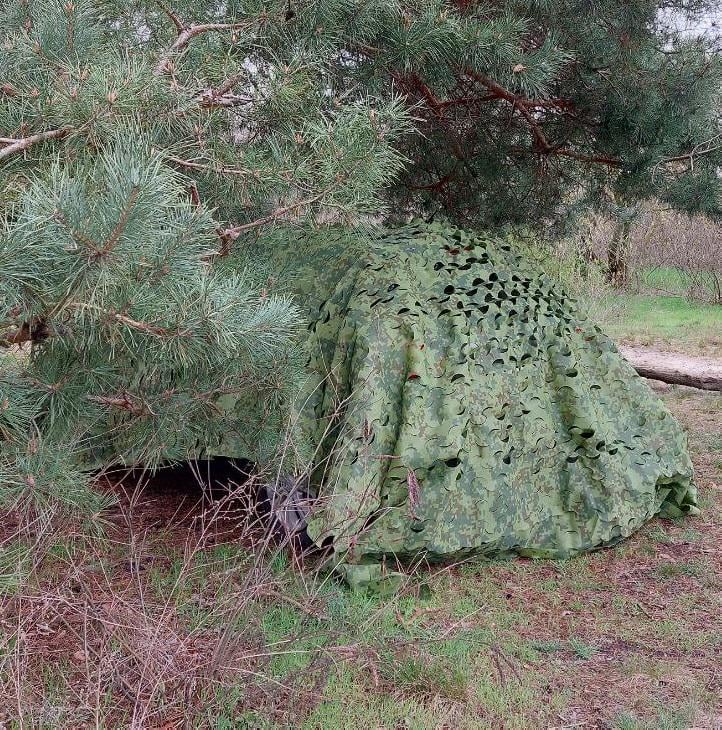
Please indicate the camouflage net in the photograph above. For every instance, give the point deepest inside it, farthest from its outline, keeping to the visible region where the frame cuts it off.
(459, 403)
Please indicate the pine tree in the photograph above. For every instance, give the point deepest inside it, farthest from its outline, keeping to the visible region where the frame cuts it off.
(141, 145)
(143, 142)
(531, 110)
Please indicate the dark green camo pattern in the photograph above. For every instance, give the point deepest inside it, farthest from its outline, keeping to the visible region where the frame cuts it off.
(458, 403)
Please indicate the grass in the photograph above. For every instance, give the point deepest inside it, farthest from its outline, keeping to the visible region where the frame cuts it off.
(664, 720)
(664, 280)
(159, 628)
(669, 322)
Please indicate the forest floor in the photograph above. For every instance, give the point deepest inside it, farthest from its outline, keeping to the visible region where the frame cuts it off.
(181, 614)
(175, 618)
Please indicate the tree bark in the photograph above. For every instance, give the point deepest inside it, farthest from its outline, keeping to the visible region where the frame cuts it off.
(617, 255)
(676, 369)
(675, 377)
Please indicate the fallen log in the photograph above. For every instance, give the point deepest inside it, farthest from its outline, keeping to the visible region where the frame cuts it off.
(675, 369)
(674, 377)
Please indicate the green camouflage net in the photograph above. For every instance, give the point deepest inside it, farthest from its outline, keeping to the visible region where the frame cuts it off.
(459, 403)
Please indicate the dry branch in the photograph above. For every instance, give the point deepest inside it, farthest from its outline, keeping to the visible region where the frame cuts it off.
(21, 144)
(208, 167)
(231, 234)
(186, 35)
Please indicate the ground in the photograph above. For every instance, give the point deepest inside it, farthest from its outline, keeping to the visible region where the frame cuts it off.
(667, 323)
(182, 615)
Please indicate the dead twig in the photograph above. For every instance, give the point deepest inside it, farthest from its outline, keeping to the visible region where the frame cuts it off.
(304, 608)
(186, 34)
(23, 143)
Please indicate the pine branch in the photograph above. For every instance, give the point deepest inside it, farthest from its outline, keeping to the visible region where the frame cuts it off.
(207, 167)
(19, 145)
(229, 235)
(172, 15)
(119, 227)
(541, 144)
(434, 186)
(186, 34)
(38, 330)
(498, 91)
(591, 159)
(75, 234)
(146, 327)
(565, 152)
(123, 402)
(703, 148)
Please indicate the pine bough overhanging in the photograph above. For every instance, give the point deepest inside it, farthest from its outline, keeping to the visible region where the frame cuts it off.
(142, 142)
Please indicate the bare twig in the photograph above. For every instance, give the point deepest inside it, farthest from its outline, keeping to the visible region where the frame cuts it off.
(187, 34)
(703, 148)
(150, 329)
(286, 598)
(209, 99)
(123, 402)
(221, 95)
(19, 145)
(39, 330)
(146, 327)
(206, 167)
(229, 235)
(229, 83)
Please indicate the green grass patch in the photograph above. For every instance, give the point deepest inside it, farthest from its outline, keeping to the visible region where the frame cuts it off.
(348, 704)
(665, 719)
(664, 279)
(423, 675)
(690, 568)
(670, 320)
(548, 647)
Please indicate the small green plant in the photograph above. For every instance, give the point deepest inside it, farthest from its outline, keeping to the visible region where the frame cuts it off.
(665, 719)
(581, 649)
(423, 675)
(548, 647)
(689, 568)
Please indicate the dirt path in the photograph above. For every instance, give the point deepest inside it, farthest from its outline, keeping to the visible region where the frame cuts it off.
(704, 371)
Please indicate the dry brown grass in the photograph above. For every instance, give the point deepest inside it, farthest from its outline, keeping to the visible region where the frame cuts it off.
(184, 614)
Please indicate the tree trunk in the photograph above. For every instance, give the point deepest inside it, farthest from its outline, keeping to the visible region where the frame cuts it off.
(617, 255)
(676, 369)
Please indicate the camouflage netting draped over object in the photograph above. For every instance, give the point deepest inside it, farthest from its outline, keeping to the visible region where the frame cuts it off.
(458, 403)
